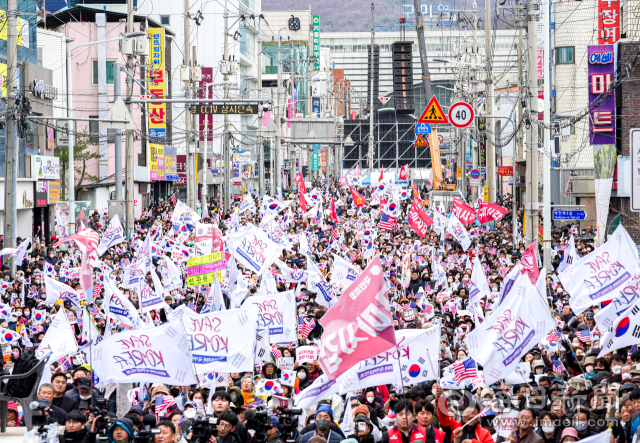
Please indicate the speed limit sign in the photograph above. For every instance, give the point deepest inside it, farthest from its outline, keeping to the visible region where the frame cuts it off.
(461, 114)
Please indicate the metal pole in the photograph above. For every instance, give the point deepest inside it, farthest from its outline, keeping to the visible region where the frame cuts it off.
(278, 167)
(490, 125)
(292, 149)
(474, 97)
(194, 140)
(11, 179)
(206, 149)
(71, 142)
(532, 134)
(261, 176)
(517, 151)
(186, 52)
(422, 47)
(226, 154)
(130, 145)
(546, 159)
(118, 139)
(371, 98)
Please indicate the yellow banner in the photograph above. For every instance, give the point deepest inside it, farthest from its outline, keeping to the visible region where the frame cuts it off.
(157, 161)
(204, 259)
(157, 111)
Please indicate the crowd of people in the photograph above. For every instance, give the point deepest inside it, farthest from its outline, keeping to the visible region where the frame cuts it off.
(563, 390)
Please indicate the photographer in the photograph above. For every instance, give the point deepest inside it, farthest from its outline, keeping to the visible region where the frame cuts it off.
(167, 432)
(45, 399)
(220, 402)
(362, 429)
(227, 422)
(74, 428)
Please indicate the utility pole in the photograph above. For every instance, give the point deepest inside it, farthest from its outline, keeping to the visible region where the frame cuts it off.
(294, 105)
(187, 88)
(532, 205)
(371, 108)
(474, 97)
(491, 149)
(261, 176)
(118, 139)
(422, 47)
(546, 159)
(11, 178)
(227, 158)
(129, 144)
(279, 114)
(518, 148)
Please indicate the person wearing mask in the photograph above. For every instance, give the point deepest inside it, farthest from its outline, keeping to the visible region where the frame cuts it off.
(424, 416)
(303, 377)
(472, 429)
(405, 430)
(581, 424)
(374, 401)
(323, 419)
(60, 400)
(523, 433)
(549, 432)
(220, 402)
(362, 429)
(74, 428)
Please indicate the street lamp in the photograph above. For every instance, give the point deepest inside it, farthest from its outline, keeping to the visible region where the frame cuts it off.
(72, 197)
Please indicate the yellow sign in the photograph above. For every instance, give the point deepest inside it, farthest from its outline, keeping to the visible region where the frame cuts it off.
(54, 192)
(486, 194)
(23, 29)
(204, 259)
(433, 113)
(459, 172)
(199, 280)
(157, 111)
(420, 141)
(157, 161)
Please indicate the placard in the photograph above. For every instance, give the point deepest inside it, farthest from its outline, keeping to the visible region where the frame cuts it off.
(285, 363)
(307, 354)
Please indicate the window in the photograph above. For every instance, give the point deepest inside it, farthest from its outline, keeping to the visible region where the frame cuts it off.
(165, 20)
(564, 55)
(94, 129)
(109, 71)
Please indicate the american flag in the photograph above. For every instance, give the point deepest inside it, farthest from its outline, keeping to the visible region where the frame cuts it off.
(174, 199)
(163, 402)
(387, 222)
(276, 353)
(334, 236)
(489, 409)
(554, 337)
(492, 251)
(96, 293)
(65, 362)
(633, 349)
(465, 369)
(307, 327)
(584, 336)
(558, 367)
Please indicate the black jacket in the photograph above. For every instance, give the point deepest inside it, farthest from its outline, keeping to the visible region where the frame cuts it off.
(303, 384)
(65, 403)
(73, 437)
(231, 438)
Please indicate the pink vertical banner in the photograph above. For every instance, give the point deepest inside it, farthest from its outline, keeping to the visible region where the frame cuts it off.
(266, 118)
(540, 63)
(205, 90)
(50, 139)
(289, 111)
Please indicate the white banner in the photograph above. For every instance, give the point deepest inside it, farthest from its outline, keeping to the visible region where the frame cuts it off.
(247, 204)
(59, 340)
(158, 355)
(173, 276)
(253, 249)
(114, 235)
(223, 341)
(624, 332)
(204, 237)
(459, 232)
(629, 295)
(519, 323)
(601, 275)
(569, 257)
(319, 390)
(292, 275)
(184, 214)
(278, 314)
(59, 291)
(479, 285)
(118, 307)
(343, 272)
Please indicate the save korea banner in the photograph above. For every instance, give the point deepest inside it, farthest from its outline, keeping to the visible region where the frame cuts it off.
(412, 361)
(600, 275)
(253, 249)
(113, 235)
(463, 211)
(156, 355)
(490, 212)
(358, 326)
(629, 296)
(419, 220)
(517, 325)
(278, 313)
(222, 341)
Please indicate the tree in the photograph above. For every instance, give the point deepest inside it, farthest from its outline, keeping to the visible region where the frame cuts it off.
(82, 153)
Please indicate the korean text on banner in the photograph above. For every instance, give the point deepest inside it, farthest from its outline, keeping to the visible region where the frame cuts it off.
(157, 161)
(359, 325)
(307, 354)
(157, 111)
(141, 356)
(278, 313)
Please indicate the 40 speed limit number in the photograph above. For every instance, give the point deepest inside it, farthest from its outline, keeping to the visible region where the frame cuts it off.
(461, 114)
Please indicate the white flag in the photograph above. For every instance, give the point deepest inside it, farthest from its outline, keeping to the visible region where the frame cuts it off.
(173, 276)
(158, 355)
(508, 282)
(516, 326)
(288, 378)
(278, 314)
(215, 299)
(343, 272)
(22, 251)
(292, 275)
(459, 232)
(569, 257)
(118, 307)
(625, 331)
(59, 291)
(319, 390)
(247, 204)
(479, 285)
(253, 249)
(184, 214)
(601, 275)
(114, 235)
(59, 340)
(629, 296)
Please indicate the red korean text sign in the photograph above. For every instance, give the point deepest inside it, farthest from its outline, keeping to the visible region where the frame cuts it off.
(359, 325)
(608, 21)
(490, 212)
(463, 212)
(419, 220)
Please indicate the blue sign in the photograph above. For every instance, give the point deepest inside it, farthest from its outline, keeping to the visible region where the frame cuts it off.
(286, 165)
(171, 177)
(215, 171)
(569, 215)
(423, 128)
(316, 147)
(315, 105)
(475, 174)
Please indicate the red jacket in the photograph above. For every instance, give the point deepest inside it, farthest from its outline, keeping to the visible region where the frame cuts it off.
(417, 433)
(482, 435)
(440, 435)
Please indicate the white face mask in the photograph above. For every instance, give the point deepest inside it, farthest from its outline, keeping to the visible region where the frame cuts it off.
(85, 397)
(616, 369)
(370, 399)
(589, 369)
(626, 376)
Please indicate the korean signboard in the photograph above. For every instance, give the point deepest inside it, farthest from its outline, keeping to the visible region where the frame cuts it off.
(157, 162)
(316, 42)
(224, 109)
(181, 168)
(608, 21)
(170, 163)
(601, 71)
(43, 167)
(482, 143)
(157, 111)
(42, 188)
(315, 160)
(206, 91)
(54, 192)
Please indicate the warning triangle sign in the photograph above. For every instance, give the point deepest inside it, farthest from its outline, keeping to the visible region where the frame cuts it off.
(420, 141)
(433, 113)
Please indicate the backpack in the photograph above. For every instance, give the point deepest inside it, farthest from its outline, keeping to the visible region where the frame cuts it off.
(22, 387)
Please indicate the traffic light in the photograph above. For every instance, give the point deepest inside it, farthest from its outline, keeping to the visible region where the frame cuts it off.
(305, 171)
(401, 56)
(375, 74)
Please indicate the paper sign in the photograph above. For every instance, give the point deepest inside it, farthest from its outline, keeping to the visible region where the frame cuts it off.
(285, 363)
(307, 354)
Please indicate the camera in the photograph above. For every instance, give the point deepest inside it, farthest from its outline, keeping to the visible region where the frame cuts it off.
(288, 422)
(40, 416)
(258, 422)
(147, 431)
(202, 427)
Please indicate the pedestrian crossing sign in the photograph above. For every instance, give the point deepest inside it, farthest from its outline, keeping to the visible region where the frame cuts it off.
(433, 113)
(420, 141)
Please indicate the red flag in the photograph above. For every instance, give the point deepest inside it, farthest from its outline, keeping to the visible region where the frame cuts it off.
(490, 211)
(419, 220)
(300, 181)
(416, 194)
(383, 202)
(357, 198)
(381, 175)
(529, 262)
(359, 325)
(303, 202)
(343, 181)
(463, 211)
(218, 243)
(333, 216)
(404, 173)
